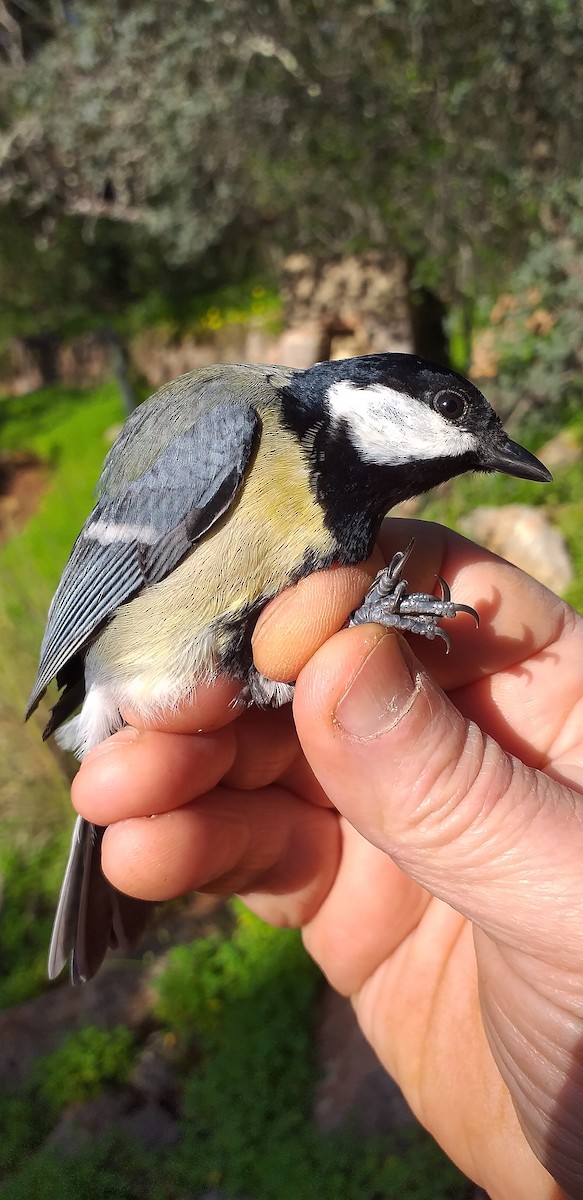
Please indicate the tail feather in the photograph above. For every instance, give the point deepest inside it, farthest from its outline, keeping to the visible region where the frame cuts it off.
(91, 915)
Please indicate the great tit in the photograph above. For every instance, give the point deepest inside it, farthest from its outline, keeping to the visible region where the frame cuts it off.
(226, 486)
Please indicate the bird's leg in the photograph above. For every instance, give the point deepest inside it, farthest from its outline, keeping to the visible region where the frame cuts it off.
(389, 603)
(264, 692)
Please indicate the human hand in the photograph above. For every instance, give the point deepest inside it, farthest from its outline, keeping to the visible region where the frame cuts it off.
(443, 889)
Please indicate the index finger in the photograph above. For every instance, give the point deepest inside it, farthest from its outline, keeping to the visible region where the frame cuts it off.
(518, 616)
(210, 706)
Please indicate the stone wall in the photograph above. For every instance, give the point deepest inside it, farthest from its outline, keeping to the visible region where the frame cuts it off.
(334, 309)
(361, 302)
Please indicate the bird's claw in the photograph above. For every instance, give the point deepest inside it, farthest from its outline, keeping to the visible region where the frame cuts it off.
(389, 603)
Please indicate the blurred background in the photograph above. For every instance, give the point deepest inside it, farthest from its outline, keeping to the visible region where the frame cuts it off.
(277, 181)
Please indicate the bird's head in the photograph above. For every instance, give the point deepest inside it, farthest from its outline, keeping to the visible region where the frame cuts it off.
(394, 425)
(398, 409)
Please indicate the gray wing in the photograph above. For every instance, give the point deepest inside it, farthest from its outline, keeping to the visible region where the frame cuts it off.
(135, 537)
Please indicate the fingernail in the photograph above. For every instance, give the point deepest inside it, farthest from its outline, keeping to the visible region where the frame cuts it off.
(126, 736)
(380, 694)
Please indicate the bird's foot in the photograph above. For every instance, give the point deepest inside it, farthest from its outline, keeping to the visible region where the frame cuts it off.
(389, 603)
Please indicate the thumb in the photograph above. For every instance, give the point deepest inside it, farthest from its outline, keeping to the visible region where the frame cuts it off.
(469, 822)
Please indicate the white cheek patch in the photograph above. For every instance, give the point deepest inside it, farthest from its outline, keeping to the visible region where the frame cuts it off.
(390, 428)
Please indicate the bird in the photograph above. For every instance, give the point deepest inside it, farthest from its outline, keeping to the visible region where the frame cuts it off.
(228, 485)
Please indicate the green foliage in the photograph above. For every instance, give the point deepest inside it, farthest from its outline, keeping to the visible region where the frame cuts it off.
(536, 329)
(279, 1159)
(108, 1168)
(66, 428)
(202, 978)
(254, 301)
(242, 1011)
(23, 1128)
(252, 1014)
(29, 882)
(58, 280)
(83, 1063)
(246, 1113)
(142, 141)
(346, 1169)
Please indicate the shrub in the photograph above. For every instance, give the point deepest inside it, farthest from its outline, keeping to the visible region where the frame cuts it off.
(83, 1063)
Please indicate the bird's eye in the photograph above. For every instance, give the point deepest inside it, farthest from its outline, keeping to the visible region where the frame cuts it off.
(451, 405)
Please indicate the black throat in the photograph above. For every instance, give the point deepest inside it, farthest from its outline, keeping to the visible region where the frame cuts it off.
(356, 495)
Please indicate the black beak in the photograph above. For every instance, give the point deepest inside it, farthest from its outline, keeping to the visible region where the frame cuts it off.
(512, 459)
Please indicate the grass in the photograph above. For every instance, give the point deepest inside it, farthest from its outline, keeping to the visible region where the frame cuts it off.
(66, 429)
